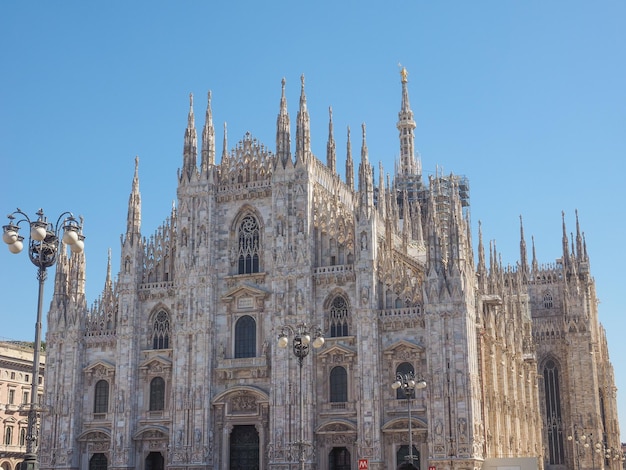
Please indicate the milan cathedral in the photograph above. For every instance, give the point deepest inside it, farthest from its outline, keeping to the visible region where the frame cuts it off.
(177, 364)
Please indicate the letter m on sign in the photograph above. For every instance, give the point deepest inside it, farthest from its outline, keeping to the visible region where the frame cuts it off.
(363, 465)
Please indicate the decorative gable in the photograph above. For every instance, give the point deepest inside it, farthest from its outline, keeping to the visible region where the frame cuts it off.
(100, 369)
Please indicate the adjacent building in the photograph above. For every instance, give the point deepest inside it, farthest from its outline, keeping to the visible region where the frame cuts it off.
(176, 364)
(16, 367)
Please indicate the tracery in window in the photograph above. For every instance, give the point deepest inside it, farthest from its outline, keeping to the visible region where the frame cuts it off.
(161, 331)
(552, 389)
(338, 317)
(547, 300)
(248, 245)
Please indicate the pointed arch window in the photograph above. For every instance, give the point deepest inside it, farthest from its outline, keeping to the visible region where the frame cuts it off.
(547, 300)
(338, 317)
(248, 245)
(338, 385)
(101, 397)
(157, 394)
(553, 418)
(245, 337)
(161, 331)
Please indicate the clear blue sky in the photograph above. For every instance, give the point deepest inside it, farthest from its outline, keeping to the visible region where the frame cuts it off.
(526, 98)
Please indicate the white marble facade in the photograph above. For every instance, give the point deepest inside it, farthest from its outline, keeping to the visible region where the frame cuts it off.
(176, 365)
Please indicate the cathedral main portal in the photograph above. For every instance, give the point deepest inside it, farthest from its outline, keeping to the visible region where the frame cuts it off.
(244, 448)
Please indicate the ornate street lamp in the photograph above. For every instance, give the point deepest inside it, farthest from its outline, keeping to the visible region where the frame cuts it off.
(578, 441)
(408, 382)
(43, 248)
(302, 340)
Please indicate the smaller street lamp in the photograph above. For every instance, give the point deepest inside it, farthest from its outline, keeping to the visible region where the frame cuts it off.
(578, 441)
(43, 248)
(303, 339)
(408, 382)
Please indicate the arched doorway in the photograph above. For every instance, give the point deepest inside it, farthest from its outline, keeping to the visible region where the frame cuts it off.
(244, 448)
(98, 462)
(339, 459)
(155, 461)
(402, 454)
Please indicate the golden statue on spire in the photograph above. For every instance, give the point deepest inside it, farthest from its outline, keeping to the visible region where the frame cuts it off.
(404, 74)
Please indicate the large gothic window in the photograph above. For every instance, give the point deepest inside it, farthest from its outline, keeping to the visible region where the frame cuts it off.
(339, 317)
(338, 385)
(157, 394)
(161, 331)
(245, 337)
(101, 397)
(98, 462)
(248, 250)
(553, 410)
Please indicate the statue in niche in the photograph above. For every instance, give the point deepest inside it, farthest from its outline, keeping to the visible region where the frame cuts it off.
(365, 294)
(438, 428)
(363, 241)
(299, 299)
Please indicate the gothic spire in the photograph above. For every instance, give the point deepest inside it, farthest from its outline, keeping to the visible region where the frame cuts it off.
(331, 155)
(225, 145)
(133, 220)
(349, 163)
(535, 264)
(565, 243)
(190, 148)
(283, 132)
(366, 178)
(406, 126)
(482, 265)
(522, 248)
(303, 129)
(579, 240)
(381, 190)
(208, 139)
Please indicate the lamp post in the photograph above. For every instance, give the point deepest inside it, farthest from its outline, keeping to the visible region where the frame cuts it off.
(302, 340)
(408, 383)
(43, 248)
(578, 441)
(588, 442)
